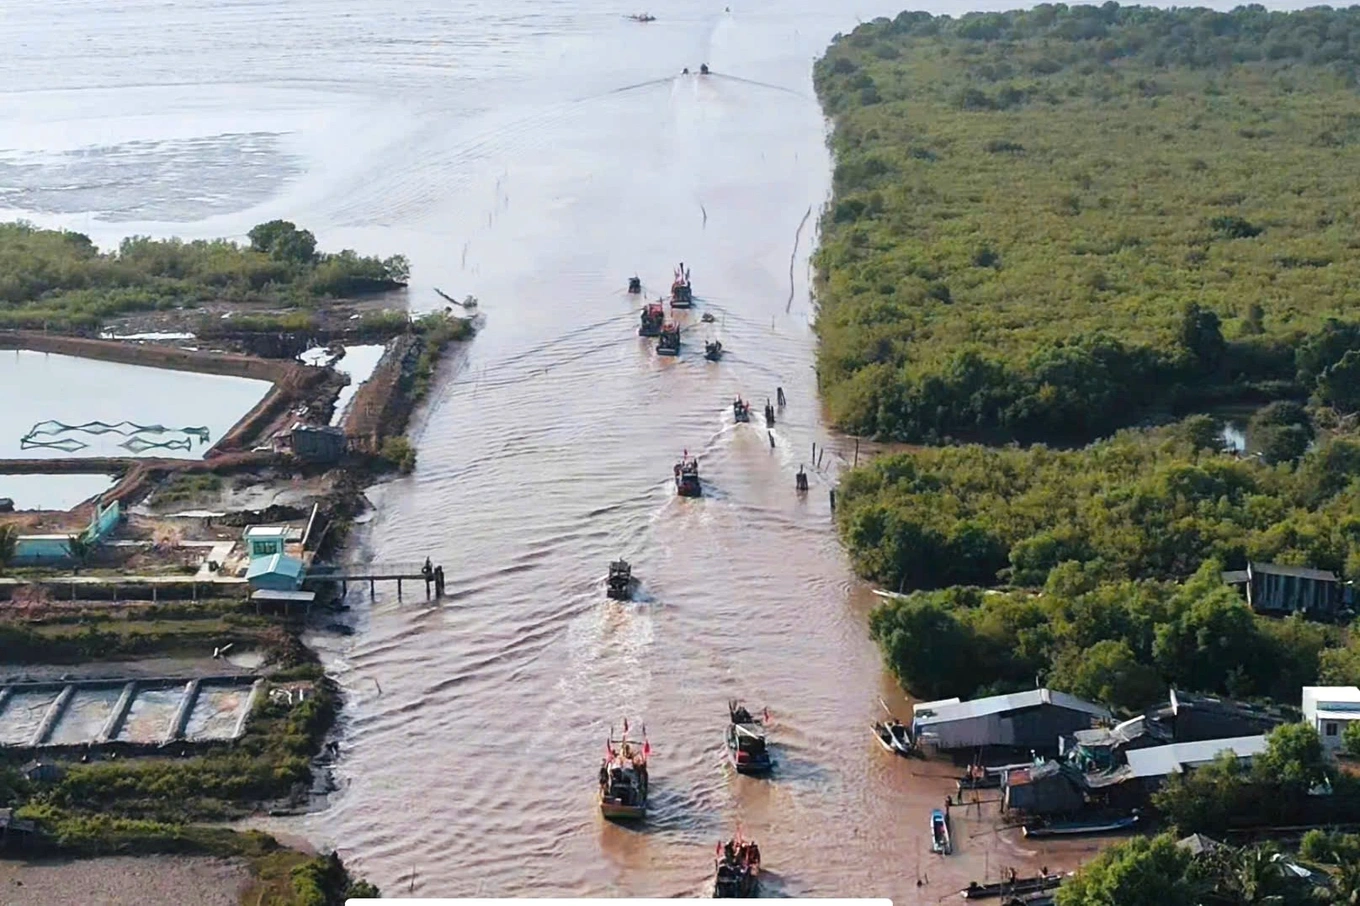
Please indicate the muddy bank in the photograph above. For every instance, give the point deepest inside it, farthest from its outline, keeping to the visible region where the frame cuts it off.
(223, 363)
(125, 881)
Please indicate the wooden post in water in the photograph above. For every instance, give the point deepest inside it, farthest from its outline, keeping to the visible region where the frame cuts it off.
(372, 590)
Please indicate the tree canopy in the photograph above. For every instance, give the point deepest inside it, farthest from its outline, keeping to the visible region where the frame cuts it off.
(1046, 223)
(59, 279)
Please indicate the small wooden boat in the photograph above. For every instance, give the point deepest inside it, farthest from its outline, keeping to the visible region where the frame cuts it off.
(746, 740)
(707, 317)
(642, 17)
(939, 833)
(668, 341)
(1081, 828)
(620, 581)
(1013, 886)
(713, 350)
(634, 285)
(623, 776)
(653, 317)
(703, 69)
(687, 477)
(736, 870)
(892, 736)
(741, 410)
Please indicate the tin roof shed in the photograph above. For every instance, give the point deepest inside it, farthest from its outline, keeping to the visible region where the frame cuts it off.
(277, 573)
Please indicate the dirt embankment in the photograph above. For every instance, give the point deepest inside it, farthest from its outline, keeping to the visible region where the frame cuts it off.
(155, 356)
(381, 405)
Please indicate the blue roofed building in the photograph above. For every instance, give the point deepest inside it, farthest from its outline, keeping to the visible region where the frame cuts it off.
(279, 572)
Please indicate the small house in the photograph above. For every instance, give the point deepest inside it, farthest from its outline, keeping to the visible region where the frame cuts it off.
(1328, 709)
(1046, 789)
(277, 573)
(1272, 588)
(1032, 720)
(316, 443)
(265, 540)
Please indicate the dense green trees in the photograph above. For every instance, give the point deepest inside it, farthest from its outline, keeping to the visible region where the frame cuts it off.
(1046, 222)
(1120, 643)
(57, 279)
(1150, 504)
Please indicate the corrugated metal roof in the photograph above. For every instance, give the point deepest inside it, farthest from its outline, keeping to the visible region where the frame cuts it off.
(280, 564)
(999, 704)
(1160, 761)
(267, 531)
(1302, 572)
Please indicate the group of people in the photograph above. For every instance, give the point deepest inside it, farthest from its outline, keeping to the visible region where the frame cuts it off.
(742, 855)
(681, 276)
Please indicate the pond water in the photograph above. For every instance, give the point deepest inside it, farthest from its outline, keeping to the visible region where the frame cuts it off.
(358, 363)
(66, 391)
(52, 492)
(85, 716)
(22, 715)
(148, 720)
(216, 712)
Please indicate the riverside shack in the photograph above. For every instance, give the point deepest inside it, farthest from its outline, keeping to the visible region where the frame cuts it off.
(1032, 720)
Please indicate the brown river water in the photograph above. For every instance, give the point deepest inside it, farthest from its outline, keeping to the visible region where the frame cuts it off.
(536, 154)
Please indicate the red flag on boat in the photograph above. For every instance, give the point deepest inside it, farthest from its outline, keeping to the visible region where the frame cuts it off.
(717, 848)
(646, 747)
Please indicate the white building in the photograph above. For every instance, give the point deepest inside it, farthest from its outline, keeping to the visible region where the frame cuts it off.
(1328, 709)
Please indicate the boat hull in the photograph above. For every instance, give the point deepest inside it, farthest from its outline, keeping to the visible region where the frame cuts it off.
(615, 811)
(750, 767)
(689, 490)
(1080, 830)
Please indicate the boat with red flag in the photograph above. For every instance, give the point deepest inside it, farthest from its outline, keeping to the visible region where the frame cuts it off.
(623, 776)
(736, 866)
(682, 293)
(746, 747)
(687, 477)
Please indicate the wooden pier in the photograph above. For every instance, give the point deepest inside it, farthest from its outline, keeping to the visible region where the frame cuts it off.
(373, 573)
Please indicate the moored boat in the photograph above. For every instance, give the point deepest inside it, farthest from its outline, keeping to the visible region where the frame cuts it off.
(736, 869)
(687, 477)
(1012, 886)
(1081, 828)
(892, 736)
(939, 833)
(623, 776)
(620, 581)
(653, 317)
(668, 340)
(746, 747)
(741, 410)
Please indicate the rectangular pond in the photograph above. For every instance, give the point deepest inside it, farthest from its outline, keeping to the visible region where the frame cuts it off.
(22, 714)
(84, 717)
(147, 408)
(52, 492)
(148, 720)
(216, 712)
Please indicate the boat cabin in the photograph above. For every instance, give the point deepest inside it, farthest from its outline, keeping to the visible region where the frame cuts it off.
(623, 778)
(620, 582)
(653, 317)
(741, 410)
(736, 869)
(668, 342)
(687, 477)
(746, 740)
(682, 294)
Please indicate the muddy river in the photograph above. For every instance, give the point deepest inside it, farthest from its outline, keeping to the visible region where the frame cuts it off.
(536, 154)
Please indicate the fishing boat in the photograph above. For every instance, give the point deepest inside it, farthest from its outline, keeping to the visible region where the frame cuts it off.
(623, 776)
(653, 317)
(741, 410)
(1012, 887)
(703, 69)
(939, 833)
(713, 350)
(746, 740)
(736, 869)
(642, 17)
(682, 293)
(687, 477)
(620, 581)
(668, 341)
(634, 285)
(1081, 828)
(707, 317)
